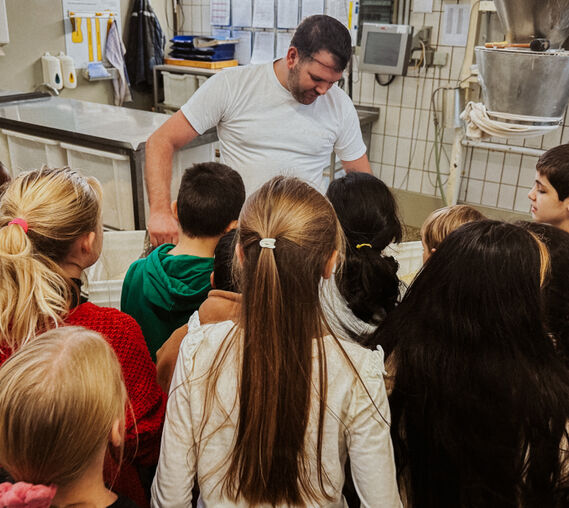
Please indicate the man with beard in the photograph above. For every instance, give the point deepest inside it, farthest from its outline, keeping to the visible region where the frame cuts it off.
(283, 117)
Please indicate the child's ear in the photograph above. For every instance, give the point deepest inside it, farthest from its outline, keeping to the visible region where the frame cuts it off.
(174, 208)
(116, 437)
(212, 280)
(86, 242)
(330, 265)
(232, 225)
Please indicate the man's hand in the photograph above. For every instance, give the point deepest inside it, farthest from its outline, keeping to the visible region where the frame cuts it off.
(163, 228)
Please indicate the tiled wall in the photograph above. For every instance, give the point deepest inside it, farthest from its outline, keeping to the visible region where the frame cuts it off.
(401, 151)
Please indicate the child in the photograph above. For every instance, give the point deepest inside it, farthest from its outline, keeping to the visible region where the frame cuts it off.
(440, 223)
(480, 401)
(62, 403)
(276, 403)
(50, 231)
(549, 195)
(222, 303)
(164, 289)
(367, 288)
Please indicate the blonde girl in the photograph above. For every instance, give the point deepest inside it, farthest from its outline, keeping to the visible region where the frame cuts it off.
(50, 231)
(265, 412)
(62, 402)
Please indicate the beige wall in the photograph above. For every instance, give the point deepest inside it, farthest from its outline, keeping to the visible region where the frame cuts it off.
(36, 26)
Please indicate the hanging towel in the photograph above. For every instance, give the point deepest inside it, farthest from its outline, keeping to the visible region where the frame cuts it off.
(145, 45)
(114, 53)
(480, 126)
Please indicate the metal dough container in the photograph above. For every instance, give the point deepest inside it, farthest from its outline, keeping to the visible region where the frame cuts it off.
(524, 82)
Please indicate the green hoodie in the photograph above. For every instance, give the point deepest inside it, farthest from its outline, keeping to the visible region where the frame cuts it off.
(161, 292)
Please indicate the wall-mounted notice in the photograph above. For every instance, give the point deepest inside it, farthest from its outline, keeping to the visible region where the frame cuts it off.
(456, 18)
(263, 47)
(241, 13)
(310, 7)
(338, 9)
(264, 14)
(243, 49)
(220, 11)
(86, 28)
(283, 43)
(287, 13)
(422, 5)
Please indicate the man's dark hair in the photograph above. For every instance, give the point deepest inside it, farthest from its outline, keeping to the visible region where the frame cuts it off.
(554, 165)
(321, 32)
(210, 197)
(222, 262)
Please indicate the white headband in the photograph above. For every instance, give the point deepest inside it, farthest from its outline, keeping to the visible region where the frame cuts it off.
(267, 243)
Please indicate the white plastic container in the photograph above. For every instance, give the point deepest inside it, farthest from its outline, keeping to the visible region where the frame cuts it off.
(68, 70)
(409, 255)
(51, 68)
(105, 277)
(178, 88)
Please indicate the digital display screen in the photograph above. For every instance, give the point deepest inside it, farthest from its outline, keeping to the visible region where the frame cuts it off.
(382, 48)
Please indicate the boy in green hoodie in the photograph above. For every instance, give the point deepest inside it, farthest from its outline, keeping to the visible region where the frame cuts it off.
(161, 291)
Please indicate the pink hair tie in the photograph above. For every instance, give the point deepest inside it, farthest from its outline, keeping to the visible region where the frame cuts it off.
(26, 495)
(20, 222)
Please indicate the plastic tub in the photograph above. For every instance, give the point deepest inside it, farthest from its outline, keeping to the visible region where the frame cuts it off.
(105, 277)
(178, 88)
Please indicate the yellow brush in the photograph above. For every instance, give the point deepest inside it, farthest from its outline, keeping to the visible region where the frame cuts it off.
(90, 36)
(98, 34)
(77, 34)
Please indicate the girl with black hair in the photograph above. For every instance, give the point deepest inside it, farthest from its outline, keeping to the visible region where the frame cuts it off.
(367, 288)
(480, 400)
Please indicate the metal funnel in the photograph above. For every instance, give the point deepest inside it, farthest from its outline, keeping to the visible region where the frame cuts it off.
(525, 20)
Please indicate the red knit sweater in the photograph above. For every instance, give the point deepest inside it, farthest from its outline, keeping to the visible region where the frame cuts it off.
(145, 416)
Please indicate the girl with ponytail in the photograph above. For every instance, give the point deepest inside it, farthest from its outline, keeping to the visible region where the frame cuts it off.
(357, 298)
(50, 231)
(265, 412)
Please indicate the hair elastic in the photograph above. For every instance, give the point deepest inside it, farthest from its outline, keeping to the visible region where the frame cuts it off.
(267, 243)
(20, 222)
(26, 494)
(360, 245)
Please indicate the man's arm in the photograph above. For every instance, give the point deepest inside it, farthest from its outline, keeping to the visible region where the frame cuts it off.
(361, 165)
(160, 147)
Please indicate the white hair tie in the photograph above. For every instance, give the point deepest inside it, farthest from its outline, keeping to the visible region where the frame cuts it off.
(267, 243)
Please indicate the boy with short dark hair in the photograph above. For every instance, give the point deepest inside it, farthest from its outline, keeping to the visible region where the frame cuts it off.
(550, 194)
(162, 290)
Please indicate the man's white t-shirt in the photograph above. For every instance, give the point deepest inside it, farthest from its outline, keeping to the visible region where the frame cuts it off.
(264, 131)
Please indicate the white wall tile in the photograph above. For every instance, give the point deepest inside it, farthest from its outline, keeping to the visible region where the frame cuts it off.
(387, 174)
(478, 164)
(490, 194)
(376, 169)
(400, 179)
(391, 121)
(411, 88)
(506, 197)
(367, 85)
(394, 90)
(403, 152)
(379, 94)
(533, 142)
(522, 203)
(376, 147)
(418, 154)
(552, 139)
(378, 127)
(494, 166)
(474, 191)
(389, 150)
(414, 180)
(527, 171)
(511, 169)
(428, 183)
(406, 120)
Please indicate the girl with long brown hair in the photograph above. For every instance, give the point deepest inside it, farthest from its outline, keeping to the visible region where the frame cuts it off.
(265, 412)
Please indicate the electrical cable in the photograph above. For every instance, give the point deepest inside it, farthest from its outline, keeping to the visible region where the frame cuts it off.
(389, 81)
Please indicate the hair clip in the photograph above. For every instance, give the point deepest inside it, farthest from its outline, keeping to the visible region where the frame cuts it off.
(360, 245)
(267, 243)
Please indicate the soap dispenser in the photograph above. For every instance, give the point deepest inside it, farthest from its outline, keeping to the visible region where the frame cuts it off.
(67, 70)
(51, 68)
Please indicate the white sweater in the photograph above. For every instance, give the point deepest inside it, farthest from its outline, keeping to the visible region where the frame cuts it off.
(352, 426)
